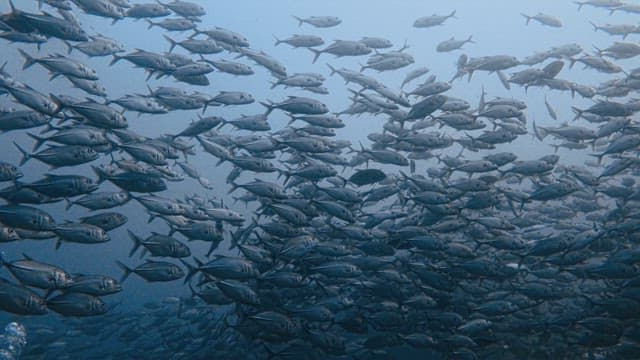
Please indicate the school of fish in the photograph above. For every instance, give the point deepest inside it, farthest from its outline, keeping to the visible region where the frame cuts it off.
(434, 241)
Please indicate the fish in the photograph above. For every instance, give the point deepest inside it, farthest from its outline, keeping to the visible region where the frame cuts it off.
(319, 21)
(264, 226)
(544, 19)
(433, 20)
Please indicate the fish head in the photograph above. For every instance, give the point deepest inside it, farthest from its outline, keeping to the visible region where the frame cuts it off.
(88, 153)
(17, 173)
(10, 234)
(35, 304)
(109, 284)
(60, 279)
(96, 306)
(176, 272)
(182, 250)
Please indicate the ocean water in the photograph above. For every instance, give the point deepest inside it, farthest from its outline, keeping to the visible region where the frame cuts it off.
(131, 327)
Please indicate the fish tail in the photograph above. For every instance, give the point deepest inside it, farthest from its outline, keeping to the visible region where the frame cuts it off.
(39, 140)
(278, 41)
(151, 23)
(269, 107)
(28, 59)
(527, 17)
(172, 42)
(126, 271)
(578, 113)
(300, 21)
(333, 70)
(115, 59)
(212, 248)
(137, 241)
(595, 27)
(598, 50)
(102, 176)
(25, 155)
(539, 132)
(453, 14)
(316, 54)
(69, 47)
(598, 156)
(286, 173)
(68, 205)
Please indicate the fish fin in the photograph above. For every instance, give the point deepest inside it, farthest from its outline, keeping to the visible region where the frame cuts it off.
(316, 53)
(172, 42)
(28, 59)
(598, 156)
(115, 59)
(278, 41)
(333, 70)
(25, 155)
(68, 205)
(270, 106)
(126, 271)
(191, 270)
(137, 241)
(69, 47)
(300, 21)
(212, 248)
(39, 140)
(578, 113)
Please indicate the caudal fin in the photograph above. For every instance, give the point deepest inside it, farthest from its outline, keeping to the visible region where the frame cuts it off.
(25, 155)
(69, 47)
(300, 21)
(137, 241)
(191, 270)
(172, 42)
(39, 140)
(126, 271)
(115, 59)
(28, 59)
(316, 54)
(333, 70)
(269, 107)
(278, 41)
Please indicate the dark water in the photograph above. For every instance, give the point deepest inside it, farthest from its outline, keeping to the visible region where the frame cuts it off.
(588, 308)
